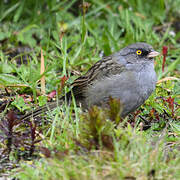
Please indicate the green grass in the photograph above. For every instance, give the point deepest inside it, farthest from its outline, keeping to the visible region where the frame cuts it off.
(77, 145)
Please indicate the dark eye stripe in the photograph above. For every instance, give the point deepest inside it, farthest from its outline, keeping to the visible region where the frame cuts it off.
(145, 53)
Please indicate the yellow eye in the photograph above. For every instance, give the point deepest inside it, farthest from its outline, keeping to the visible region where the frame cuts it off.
(138, 52)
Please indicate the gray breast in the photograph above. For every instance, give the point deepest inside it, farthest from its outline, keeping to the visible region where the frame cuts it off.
(132, 87)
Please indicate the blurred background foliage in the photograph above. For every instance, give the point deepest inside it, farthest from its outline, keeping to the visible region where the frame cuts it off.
(31, 22)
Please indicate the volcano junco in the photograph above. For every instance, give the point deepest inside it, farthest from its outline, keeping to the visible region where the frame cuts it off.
(127, 75)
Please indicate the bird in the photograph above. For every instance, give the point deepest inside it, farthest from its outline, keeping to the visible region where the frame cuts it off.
(127, 75)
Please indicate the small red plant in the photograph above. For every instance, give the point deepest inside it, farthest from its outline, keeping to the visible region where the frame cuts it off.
(154, 114)
(34, 139)
(164, 52)
(170, 102)
(7, 130)
(63, 80)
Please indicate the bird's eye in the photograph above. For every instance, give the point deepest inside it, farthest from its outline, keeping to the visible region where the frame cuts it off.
(138, 52)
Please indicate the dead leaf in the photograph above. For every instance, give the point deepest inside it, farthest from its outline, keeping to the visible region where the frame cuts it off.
(168, 79)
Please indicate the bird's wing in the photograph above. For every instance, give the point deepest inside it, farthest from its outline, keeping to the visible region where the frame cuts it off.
(105, 67)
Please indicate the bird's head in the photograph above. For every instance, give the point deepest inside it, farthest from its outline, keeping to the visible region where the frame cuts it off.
(138, 52)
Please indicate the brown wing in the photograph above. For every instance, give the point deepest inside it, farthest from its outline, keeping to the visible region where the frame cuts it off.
(103, 68)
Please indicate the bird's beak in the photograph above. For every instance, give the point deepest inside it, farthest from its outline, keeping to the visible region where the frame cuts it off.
(153, 54)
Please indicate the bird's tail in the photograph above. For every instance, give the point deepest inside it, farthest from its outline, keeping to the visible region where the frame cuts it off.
(49, 106)
(39, 111)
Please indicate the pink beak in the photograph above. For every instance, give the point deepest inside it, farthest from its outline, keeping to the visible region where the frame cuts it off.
(153, 54)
